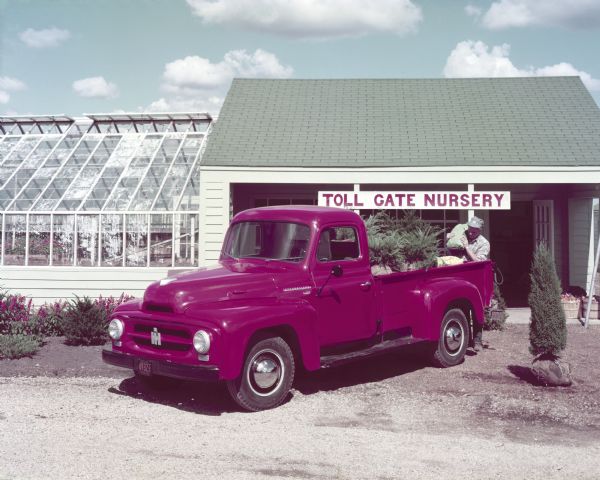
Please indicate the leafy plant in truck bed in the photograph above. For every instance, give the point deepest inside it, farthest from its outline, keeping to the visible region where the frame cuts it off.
(401, 244)
(85, 322)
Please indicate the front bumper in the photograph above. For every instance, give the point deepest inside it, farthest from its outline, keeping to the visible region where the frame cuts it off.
(207, 373)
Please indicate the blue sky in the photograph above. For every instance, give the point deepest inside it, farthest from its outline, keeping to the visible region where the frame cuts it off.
(83, 56)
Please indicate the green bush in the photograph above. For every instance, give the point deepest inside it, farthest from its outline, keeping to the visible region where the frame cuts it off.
(49, 318)
(17, 346)
(497, 322)
(84, 322)
(548, 326)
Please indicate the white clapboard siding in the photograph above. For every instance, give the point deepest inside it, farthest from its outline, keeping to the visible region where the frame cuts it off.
(581, 255)
(214, 215)
(50, 283)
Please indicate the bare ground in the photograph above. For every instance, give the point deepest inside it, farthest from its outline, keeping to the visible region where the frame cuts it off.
(388, 417)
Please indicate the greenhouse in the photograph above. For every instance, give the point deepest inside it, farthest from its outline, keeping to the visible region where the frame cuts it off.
(115, 190)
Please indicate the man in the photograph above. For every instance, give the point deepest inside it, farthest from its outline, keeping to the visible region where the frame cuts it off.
(476, 248)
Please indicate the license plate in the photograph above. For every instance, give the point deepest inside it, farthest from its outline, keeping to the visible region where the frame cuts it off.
(145, 367)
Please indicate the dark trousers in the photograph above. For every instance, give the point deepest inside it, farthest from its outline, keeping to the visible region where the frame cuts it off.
(477, 333)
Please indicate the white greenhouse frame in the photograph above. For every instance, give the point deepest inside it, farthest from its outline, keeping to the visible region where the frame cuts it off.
(186, 148)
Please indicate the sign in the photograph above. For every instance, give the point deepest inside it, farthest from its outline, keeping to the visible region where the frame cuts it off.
(416, 200)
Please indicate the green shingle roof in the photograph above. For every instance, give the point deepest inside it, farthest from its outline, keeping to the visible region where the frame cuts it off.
(550, 121)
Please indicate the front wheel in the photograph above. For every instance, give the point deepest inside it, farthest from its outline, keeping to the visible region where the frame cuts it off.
(266, 377)
(453, 341)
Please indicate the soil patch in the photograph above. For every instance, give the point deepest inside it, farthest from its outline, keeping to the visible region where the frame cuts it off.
(55, 359)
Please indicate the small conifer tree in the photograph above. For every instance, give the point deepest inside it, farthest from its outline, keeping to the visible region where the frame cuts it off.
(547, 328)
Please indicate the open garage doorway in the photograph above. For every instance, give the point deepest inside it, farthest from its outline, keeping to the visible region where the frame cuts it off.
(511, 242)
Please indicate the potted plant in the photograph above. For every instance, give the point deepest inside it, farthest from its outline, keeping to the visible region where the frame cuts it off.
(548, 326)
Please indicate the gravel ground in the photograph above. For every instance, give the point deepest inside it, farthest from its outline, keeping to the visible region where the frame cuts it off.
(383, 418)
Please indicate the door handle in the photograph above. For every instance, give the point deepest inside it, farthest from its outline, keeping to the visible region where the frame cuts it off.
(366, 285)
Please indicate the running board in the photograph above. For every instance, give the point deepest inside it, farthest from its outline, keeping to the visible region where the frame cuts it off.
(382, 347)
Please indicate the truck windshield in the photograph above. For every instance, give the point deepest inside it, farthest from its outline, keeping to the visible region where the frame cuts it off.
(271, 240)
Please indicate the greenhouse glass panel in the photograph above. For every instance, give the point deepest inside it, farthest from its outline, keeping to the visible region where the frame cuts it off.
(63, 233)
(132, 175)
(7, 145)
(162, 126)
(67, 173)
(137, 241)
(112, 240)
(182, 127)
(190, 200)
(161, 240)
(112, 171)
(87, 240)
(14, 239)
(200, 126)
(186, 239)
(88, 175)
(39, 240)
(22, 150)
(173, 185)
(149, 188)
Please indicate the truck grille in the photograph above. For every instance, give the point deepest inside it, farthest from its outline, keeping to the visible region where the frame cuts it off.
(171, 338)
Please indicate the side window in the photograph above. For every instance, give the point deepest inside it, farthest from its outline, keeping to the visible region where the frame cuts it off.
(338, 243)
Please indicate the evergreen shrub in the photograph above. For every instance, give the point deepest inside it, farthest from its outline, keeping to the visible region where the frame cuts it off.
(548, 326)
(85, 322)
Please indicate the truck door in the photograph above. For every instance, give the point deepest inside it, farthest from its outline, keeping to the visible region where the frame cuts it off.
(345, 304)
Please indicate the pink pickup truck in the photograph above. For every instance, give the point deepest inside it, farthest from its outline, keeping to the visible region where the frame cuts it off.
(293, 289)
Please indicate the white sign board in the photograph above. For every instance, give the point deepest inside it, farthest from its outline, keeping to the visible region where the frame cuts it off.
(416, 200)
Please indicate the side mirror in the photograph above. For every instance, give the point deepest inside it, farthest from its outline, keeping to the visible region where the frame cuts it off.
(337, 271)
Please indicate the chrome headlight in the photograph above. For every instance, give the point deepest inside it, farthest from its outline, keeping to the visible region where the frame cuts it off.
(115, 328)
(202, 341)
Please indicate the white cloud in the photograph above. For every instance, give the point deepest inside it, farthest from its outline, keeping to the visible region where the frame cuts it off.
(9, 84)
(521, 13)
(312, 18)
(473, 11)
(476, 59)
(196, 84)
(13, 84)
(45, 38)
(95, 87)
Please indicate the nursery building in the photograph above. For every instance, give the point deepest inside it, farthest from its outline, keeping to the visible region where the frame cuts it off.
(107, 203)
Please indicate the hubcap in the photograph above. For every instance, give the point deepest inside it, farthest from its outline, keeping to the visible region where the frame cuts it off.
(454, 337)
(265, 372)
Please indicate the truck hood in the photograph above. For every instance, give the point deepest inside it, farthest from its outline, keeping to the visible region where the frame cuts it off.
(227, 281)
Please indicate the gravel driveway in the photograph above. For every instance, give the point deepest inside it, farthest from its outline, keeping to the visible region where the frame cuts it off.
(388, 417)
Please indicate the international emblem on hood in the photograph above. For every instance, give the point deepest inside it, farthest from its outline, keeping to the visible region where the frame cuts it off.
(155, 337)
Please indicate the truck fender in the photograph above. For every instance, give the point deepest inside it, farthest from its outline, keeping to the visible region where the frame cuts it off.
(296, 322)
(445, 294)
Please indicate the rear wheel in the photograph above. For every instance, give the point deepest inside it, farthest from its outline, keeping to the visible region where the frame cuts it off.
(454, 339)
(267, 376)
